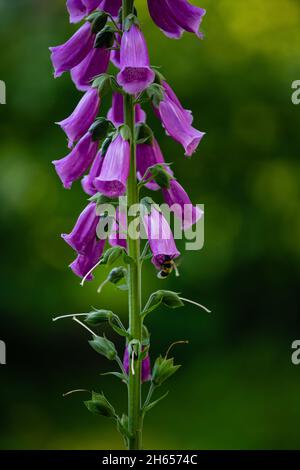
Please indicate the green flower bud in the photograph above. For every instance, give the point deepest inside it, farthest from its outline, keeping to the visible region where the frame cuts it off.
(105, 347)
(99, 405)
(163, 369)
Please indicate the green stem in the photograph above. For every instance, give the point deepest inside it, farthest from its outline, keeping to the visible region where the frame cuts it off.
(134, 294)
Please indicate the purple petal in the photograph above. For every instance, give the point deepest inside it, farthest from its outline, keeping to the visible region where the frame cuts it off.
(177, 125)
(94, 64)
(78, 123)
(111, 6)
(161, 14)
(88, 180)
(116, 112)
(136, 74)
(187, 16)
(160, 237)
(181, 205)
(84, 263)
(147, 156)
(146, 366)
(74, 165)
(78, 9)
(117, 236)
(70, 54)
(84, 230)
(115, 169)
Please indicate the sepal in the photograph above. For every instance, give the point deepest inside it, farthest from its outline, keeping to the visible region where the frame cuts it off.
(99, 405)
(104, 347)
(163, 369)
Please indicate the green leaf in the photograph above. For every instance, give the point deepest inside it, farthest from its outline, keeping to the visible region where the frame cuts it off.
(153, 403)
(144, 134)
(99, 129)
(125, 132)
(165, 297)
(171, 299)
(119, 375)
(156, 94)
(104, 147)
(98, 317)
(111, 255)
(129, 21)
(98, 20)
(122, 426)
(117, 328)
(161, 176)
(103, 83)
(117, 274)
(99, 405)
(104, 347)
(163, 369)
(128, 259)
(105, 38)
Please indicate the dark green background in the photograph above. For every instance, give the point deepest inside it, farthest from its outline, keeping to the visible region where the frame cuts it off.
(237, 388)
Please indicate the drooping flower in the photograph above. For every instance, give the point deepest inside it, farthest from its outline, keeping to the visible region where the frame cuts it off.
(160, 237)
(171, 95)
(84, 263)
(117, 235)
(111, 6)
(88, 180)
(181, 205)
(69, 55)
(116, 112)
(148, 155)
(136, 74)
(84, 230)
(78, 9)
(174, 17)
(177, 123)
(78, 123)
(115, 169)
(95, 63)
(74, 165)
(146, 366)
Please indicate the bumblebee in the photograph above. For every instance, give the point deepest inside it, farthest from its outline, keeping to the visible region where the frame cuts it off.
(167, 266)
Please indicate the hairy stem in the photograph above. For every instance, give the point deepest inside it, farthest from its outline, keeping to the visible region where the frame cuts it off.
(134, 294)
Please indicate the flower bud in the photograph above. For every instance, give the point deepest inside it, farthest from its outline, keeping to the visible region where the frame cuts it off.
(103, 346)
(99, 405)
(163, 369)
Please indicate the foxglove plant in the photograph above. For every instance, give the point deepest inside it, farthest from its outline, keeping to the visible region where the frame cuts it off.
(118, 155)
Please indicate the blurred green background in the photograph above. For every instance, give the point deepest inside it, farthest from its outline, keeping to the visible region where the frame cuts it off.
(237, 388)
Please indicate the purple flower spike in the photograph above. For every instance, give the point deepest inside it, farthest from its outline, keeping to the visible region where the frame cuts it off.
(117, 236)
(115, 169)
(78, 9)
(136, 74)
(74, 165)
(174, 17)
(148, 155)
(95, 63)
(177, 198)
(88, 180)
(160, 238)
(69, 55)
(116, 112)
(84, 263)
(177, 122)
(76, 125)
(146, 366)
(111, 6)
(84, 231)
